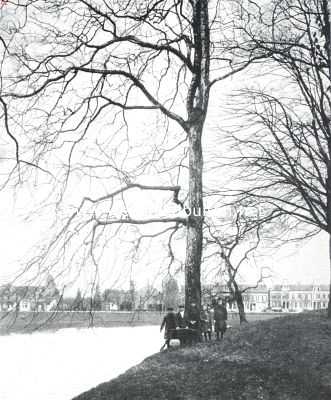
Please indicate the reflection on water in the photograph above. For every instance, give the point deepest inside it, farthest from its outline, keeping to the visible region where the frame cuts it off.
(60, 365)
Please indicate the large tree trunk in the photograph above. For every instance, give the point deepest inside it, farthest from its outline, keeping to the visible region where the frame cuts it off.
(327, 7)
(329, 304)
(197, 104)
(194, 228)
(328, 212)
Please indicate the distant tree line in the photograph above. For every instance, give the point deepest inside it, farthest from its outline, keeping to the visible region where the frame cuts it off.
(148, 298)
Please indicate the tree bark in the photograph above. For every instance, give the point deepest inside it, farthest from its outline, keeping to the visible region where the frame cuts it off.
(197, 104)
(194, 228)
(240, 303)
(328, 211)
(329, 304)
(241, 308)
(328, 183)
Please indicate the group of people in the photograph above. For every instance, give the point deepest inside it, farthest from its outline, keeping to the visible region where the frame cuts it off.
(212, 318)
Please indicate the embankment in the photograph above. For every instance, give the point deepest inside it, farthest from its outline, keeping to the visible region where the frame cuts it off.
(285, 358)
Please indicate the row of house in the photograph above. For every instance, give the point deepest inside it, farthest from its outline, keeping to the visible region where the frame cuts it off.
(29, 298)
(258, 299)
(286, 298)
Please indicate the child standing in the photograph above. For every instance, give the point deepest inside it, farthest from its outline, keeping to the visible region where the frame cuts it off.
(169, 324)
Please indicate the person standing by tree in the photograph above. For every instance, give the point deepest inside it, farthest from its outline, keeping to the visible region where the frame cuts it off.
(194, 323)
(170, 324)
(220, 318)
(181, 321)
(206, 322)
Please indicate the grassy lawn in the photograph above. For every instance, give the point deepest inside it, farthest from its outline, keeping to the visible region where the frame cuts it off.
(28, 322)
(286, 358)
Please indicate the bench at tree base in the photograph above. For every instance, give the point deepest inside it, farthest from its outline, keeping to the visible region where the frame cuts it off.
(186, 336)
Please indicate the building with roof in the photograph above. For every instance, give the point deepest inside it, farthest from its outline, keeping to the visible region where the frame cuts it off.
(256, 299)
(299, 297)
(28, 298)
(284, 298)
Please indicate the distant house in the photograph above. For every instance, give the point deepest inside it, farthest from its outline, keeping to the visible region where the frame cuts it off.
(7, 300)
(299, 297)
(285, 298)
(116, 299)
(28, 298)
(290, 297)
(256, 299)
(109, 306)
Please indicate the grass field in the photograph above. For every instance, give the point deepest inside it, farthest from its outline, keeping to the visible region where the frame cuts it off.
(286, 358)
(27, 322)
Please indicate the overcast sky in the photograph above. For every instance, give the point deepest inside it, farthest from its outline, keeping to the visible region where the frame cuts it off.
(307, 262)
(22, 229)
(304, 263)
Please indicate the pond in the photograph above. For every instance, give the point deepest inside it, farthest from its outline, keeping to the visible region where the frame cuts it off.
(60, 365)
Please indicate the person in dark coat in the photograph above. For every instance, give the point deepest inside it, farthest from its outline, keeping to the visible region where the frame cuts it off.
(194, 322)
(169, 324)
(206, 322)
(181, 321)
(220, 318)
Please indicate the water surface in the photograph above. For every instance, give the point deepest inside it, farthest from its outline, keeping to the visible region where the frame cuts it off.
(60, 365)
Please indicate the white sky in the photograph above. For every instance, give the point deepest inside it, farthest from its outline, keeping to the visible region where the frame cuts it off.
(307, 263)
(304, 263)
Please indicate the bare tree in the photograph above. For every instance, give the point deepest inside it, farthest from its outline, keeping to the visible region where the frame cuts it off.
(282, 144)
(81, 72)
(233, 244)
